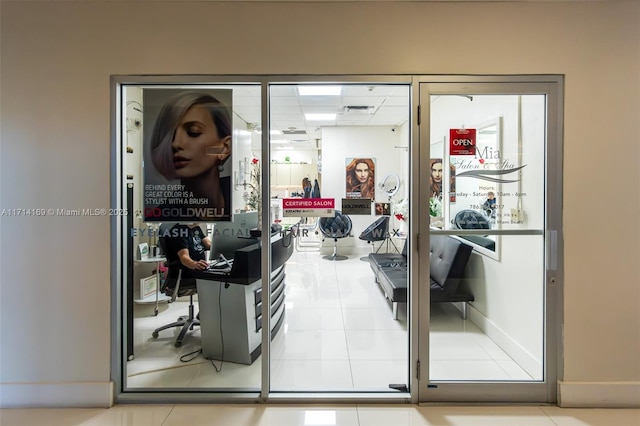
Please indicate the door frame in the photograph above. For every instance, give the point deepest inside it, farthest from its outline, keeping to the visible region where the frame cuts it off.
(552, 87)
(418, 304)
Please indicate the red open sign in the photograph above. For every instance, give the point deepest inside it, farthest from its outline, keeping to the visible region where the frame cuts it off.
(462, 142)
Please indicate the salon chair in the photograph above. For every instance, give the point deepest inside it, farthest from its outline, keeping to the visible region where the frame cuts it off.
(377, 231)
(338, 226)
(175, 286)
(471, 219)
(306, 234)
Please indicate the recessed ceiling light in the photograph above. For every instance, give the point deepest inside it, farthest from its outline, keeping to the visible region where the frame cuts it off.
(319, 90)
(320, 117)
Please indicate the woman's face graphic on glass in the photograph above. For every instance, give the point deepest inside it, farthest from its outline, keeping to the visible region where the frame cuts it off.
(436, 172)
(196, 143)
(362, 172)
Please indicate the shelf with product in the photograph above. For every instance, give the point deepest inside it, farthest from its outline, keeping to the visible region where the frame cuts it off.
(150, 286)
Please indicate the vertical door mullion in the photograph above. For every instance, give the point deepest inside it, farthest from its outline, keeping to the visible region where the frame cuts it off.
(421, 268)
(265, 238)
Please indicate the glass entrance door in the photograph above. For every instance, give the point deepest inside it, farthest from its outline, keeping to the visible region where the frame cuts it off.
(490, 197)
(339, 179)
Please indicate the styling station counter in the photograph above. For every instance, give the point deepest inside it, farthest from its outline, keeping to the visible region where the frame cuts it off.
(230, 303)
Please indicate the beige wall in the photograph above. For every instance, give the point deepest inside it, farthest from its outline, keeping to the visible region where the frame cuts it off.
(57, 58)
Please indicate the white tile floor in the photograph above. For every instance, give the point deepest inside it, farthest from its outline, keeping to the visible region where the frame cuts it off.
(338, 335)
(319, 415)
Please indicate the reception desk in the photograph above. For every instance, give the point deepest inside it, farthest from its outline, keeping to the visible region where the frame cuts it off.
(230, 303)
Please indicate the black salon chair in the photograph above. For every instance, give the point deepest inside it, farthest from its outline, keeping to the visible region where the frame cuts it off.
(175, 286)
(471, 219)
(377, 231)
(338, 226)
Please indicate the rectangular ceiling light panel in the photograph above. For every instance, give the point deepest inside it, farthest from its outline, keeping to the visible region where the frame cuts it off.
(320, 90)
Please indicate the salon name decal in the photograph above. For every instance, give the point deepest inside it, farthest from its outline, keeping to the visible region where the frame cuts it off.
(488, 166)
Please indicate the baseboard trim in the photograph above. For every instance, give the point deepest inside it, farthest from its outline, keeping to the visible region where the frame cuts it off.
(56, 395)
(598, 394)
(522, 357)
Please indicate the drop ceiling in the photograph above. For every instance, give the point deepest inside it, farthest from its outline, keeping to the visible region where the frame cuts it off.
(357, 105)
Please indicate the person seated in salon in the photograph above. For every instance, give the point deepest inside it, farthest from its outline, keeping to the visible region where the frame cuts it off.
(186, 247)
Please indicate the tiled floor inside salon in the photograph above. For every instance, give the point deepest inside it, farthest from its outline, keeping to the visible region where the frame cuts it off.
(338, 335)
